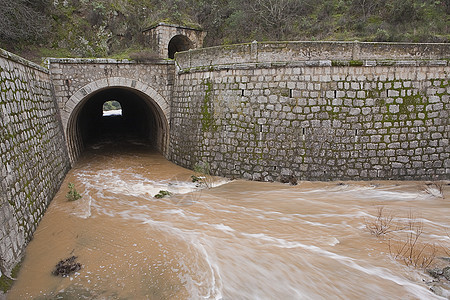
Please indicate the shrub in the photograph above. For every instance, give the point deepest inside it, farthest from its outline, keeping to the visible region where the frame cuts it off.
(72, 194)
(435, 189)
(410, 250)
(162, 194)
(204, 175)
(381, 224)
(407, 246)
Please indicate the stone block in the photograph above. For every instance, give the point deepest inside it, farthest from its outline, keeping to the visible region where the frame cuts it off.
(393, 109)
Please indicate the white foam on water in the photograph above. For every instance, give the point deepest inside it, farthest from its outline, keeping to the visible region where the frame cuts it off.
(123, 181)
(333, 241)
(217, 243)
(209, 284)
(367, 192)
(382, 273)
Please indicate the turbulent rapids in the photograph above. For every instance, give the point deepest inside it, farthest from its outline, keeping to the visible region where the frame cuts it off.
(235, 240)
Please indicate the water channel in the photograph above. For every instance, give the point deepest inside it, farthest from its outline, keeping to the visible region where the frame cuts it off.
(236, 240)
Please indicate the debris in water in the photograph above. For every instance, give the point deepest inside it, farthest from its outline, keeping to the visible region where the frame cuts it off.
(291, 179)
(162, 194)
(441, 280)
(65, 267)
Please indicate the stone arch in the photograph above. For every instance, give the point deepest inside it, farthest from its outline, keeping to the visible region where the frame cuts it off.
(157, 104)
(179, 43)
(159, 36)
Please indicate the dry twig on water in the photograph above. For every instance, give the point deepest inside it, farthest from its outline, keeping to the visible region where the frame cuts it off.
(435, 189)
(381, 224)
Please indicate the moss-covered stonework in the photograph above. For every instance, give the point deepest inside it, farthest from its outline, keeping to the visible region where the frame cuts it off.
(334, 118)
(32, 151)
(6, 282)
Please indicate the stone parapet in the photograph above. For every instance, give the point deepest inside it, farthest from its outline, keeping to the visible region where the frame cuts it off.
(354, 53)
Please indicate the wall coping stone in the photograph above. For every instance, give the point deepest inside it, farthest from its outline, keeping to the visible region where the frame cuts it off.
(11, 56)
(353, 53)
(171, 25)
(50, 60)
(316, 63)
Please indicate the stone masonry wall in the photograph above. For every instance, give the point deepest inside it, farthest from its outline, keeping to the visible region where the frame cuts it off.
(71, 74)
(33, 156)
(158, 37)
(77, 79)
(321, 119)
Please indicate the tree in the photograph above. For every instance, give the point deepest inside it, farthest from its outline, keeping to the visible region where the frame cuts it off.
(277, 16)
(367, 7)
(21, 21)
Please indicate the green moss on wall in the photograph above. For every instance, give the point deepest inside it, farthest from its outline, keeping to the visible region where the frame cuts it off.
(344, 63)
(207, 119)
(338, 63)
(356, 63)
(6, 282)
(410, 100)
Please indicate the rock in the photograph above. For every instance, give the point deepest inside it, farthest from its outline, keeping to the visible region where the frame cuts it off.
(289, 179)
(441, 289)
(66, 267)
(446, 273)
(435, 273)
(293, 180)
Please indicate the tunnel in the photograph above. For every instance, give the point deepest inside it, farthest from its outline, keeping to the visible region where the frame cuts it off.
(179, 43)
(140, 119)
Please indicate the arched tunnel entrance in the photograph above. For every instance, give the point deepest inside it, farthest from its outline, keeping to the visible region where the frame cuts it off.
(179, 43)
(140, 118)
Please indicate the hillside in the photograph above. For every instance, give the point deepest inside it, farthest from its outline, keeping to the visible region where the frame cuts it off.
(112, 28)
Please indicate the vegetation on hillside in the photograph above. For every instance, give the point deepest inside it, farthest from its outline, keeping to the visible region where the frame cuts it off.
(98, 28)
(111, 105)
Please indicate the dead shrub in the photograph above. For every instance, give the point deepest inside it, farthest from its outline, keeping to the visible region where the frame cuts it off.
(381, 224)
(435, 189)
(409, 249)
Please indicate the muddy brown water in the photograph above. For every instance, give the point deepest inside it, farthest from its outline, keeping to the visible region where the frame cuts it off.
(237, 240)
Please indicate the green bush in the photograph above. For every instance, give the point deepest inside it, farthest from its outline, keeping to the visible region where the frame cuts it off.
(72, 194)
(162, 194)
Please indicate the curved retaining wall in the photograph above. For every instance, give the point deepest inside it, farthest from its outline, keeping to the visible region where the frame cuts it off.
(314, 110)
(312, 53)
(33, 154)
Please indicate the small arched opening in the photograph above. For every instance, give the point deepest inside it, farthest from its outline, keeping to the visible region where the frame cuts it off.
(112, 108)
(179, 43)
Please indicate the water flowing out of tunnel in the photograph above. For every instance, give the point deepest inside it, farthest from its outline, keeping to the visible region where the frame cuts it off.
(236, 240)
(138, 117)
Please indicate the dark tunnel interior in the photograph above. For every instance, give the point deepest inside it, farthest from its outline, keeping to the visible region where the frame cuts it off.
(139, 120)
(179, 43)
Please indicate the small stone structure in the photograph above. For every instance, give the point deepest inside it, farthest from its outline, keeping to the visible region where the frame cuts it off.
(167, 39)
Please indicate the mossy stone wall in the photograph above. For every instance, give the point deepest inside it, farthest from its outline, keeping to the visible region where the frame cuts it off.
(33, 154)
(324, 119)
